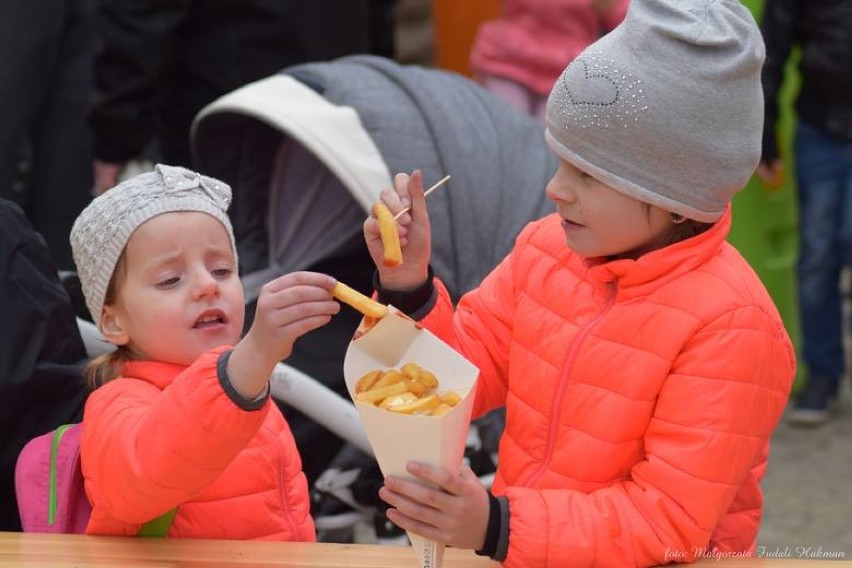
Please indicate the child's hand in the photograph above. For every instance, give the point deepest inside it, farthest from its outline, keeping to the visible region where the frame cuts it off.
(414, 234)
(287, 308)
(771, 174)
(455, 513)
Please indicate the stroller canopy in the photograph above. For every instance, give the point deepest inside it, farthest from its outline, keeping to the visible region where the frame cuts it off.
(308, 151)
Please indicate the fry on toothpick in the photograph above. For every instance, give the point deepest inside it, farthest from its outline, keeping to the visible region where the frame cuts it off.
(392, 255)
(426, 193)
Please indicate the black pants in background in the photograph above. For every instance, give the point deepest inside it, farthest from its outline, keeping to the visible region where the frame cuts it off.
(46, 55)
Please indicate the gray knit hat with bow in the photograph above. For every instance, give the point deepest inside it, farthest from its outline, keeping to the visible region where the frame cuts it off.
(102, 230)
(668, 107)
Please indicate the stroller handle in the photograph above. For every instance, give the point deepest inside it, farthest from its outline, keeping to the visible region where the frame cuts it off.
(314, 399)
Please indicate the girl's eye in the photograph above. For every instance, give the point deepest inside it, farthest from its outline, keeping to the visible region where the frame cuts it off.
(168, 283)
(222, 272)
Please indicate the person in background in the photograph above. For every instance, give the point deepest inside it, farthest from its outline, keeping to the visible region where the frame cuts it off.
(642, 363)
(41, 351)
(46, 54)
(823, 167)
(180, 415)
(159, 63)
(519, 55)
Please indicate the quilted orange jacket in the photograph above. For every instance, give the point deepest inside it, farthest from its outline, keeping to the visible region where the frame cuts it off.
(640, 397)
(167, 436)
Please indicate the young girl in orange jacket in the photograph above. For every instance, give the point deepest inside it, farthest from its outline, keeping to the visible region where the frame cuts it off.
(181, 416)
(641, 362)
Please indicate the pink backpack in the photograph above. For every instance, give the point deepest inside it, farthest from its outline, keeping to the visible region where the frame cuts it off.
(49, 486)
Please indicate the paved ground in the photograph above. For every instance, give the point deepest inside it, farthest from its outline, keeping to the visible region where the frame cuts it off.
(808, 489)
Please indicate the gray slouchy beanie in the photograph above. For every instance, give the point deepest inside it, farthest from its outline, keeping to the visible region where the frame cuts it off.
(668, 107)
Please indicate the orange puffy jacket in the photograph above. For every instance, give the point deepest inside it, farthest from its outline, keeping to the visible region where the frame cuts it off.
(640, 397)
(171, 437)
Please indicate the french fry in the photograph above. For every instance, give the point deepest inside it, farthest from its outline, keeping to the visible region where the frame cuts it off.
(441, 410)
(398, 399)
(428, 379)
(409, 390)
(418, 388)
(389, 377)
(366, 382)
(411, 370)
(420, 406)
(364, 304)
(451, 398)
(375, 396)
(390, 237)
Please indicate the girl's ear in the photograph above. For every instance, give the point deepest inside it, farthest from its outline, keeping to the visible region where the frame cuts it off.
(112, 327)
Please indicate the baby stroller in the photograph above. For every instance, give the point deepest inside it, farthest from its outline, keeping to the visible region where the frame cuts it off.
(308, 151)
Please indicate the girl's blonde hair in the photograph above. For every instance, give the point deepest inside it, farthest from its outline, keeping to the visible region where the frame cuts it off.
(106, 367)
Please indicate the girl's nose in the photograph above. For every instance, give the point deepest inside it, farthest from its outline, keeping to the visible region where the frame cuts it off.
(205, 285)
(559, 189)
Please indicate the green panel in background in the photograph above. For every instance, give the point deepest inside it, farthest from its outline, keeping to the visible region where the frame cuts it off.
(765, 225)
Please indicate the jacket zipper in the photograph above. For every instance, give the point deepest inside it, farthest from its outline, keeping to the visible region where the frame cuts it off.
(534, 477)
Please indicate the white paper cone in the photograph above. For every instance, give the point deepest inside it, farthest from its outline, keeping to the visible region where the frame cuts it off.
(400, 438)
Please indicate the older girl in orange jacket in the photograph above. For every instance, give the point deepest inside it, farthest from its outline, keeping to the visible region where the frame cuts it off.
(643, 367)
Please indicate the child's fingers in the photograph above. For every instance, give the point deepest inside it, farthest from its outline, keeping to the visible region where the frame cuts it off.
(301, 278)
(296, 319)
(450, 483)
(301, 326)
(418, 199)
(414, 509)
(394, 202)
(400, 184)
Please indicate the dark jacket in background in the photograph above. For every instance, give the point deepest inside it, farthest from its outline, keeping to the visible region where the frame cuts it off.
(41, 352)
(823, 30)
(161, 61)
(46, 53)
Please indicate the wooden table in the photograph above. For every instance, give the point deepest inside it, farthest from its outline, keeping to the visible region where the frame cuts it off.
(28, 550)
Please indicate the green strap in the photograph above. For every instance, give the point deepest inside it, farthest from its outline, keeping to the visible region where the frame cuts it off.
(158, 527)
(155, 528)
(52, 487)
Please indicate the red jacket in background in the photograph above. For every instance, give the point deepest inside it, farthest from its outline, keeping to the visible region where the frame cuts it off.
(533, 41)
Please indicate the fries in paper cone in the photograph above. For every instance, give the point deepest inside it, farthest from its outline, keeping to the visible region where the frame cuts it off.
(393, 349)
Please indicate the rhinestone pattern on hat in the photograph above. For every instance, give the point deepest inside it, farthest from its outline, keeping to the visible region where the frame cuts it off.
(595, 92)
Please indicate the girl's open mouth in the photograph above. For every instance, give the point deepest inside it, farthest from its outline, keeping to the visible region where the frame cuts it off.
(211, 318)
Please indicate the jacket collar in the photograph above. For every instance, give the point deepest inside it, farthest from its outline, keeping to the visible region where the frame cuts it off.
(158, 374)
(659, 266)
